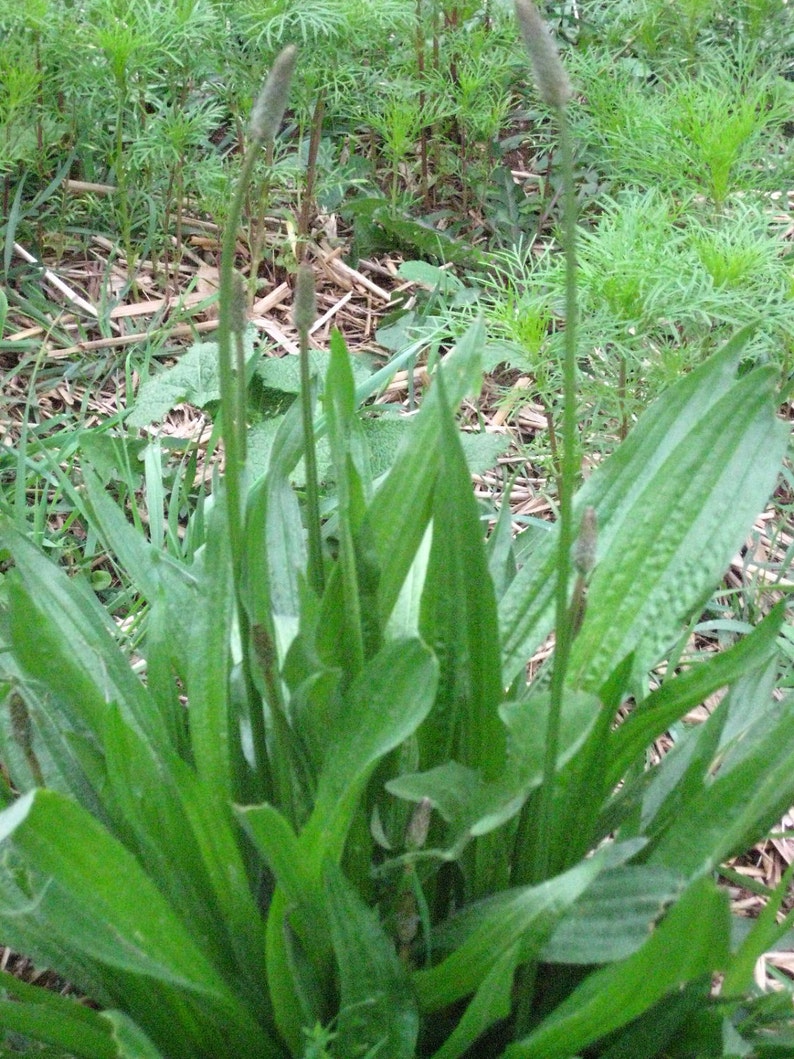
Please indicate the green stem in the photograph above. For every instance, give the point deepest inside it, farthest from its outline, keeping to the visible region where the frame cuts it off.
(316, 575)
(265, 119)
(544, 844)
(121, 186)
(231, 379)
(568, 477)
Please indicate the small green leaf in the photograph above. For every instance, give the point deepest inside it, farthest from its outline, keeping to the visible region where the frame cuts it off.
(430, 276)
(482, 450)
(283, 373)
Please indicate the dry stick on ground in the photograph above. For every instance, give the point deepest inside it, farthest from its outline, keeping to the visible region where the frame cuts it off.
(57, 282)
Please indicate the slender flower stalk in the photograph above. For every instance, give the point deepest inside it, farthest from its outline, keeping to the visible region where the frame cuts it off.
(266, 117)
(555, 90)
(305, 313)
(551, 79)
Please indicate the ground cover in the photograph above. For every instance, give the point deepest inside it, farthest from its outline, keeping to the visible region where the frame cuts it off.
(420, 175)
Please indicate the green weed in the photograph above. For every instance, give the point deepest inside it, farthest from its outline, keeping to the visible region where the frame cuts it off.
(328, 796)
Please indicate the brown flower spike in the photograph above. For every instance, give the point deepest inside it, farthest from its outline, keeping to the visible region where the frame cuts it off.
(550, 76)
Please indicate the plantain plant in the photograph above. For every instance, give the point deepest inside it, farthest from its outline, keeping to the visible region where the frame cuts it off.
(324, 811)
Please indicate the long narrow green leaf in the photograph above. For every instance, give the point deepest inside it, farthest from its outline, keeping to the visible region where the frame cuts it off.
(64, 638)
(732, 428)
(683, 1020)
(386, 704)
(681, 774)
(377, 1012)
(400, 511)
(164, 661)
(218, 842)
(212, 735)
(131, 1041)
(682, 531)
(655, 797)
(347, 631)
(49, 1018)
(459, 621)
(677, 695)
(116, 914)
(278, 844)
(740, 804)
(527, 915)
(145, 792)
(690, 942)
(92, 891)
(492, 1002)
(275, 551)
(391, 697)
(764, 932)
(285, 991)
(184, 831)
(25, 929)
